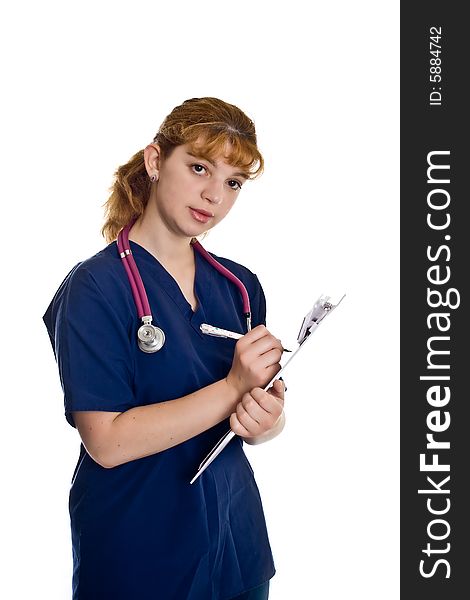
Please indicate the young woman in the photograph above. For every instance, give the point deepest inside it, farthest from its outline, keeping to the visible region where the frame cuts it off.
(147, 415)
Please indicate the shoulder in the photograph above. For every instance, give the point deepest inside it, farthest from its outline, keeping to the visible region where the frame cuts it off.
(94, 280)
(252, 285)
(247, 276)
(100, 271)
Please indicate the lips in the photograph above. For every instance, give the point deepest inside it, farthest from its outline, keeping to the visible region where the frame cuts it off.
(203, 212)
(200, 215)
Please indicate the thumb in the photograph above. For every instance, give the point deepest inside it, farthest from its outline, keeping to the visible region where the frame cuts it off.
(277, 389)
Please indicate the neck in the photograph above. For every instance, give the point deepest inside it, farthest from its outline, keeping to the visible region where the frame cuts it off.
(151, 233)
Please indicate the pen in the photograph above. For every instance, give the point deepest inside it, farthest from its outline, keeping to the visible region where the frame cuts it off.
(224, 333)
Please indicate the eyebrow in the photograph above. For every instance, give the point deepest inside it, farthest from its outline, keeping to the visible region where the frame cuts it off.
(239, 173)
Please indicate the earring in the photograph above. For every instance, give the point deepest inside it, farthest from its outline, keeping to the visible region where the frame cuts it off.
(154, 178)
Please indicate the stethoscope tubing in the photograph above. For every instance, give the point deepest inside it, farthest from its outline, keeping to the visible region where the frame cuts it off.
(228, 274)
(135, 280)
(137, 286)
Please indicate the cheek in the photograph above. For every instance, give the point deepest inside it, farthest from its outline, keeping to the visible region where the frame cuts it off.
(223, 213)
(229, 204)
(175, 193)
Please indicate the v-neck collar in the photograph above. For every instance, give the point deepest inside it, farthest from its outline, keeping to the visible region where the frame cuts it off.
(202, 285)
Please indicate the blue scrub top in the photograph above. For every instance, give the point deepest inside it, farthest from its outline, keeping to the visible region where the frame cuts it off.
(140, 530)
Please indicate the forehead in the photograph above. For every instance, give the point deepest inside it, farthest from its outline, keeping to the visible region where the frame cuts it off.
(222, 159)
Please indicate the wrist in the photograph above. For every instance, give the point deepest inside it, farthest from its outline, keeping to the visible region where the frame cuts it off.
(232, 393)
(233, 389)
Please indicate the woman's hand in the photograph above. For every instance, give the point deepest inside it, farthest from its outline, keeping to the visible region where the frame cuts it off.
(256, 360)
(258, 411)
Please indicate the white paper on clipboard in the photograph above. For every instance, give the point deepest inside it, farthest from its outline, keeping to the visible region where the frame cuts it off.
(321, 309)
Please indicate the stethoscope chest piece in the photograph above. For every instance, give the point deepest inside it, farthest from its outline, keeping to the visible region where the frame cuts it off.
(150, 338)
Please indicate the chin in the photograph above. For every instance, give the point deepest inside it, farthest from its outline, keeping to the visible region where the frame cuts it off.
(194, 232)
(197, 231)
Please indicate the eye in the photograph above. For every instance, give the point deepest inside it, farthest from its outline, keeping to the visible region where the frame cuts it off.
(237, 186)
(196, 168)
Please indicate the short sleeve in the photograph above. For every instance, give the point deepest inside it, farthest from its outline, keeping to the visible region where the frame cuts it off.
(261, 315)
(260, 304)
(92, 348)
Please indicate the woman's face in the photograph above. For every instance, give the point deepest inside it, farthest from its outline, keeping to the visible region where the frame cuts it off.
(193, 194)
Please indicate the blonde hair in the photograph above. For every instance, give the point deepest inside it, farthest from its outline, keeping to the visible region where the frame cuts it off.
(207, 125)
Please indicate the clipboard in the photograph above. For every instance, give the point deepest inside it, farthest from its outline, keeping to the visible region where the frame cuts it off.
(321, 309)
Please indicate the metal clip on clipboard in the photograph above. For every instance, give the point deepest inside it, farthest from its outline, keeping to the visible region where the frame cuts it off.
(322, 307)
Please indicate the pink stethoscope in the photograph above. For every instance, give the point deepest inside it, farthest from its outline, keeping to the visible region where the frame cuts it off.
(149, 337)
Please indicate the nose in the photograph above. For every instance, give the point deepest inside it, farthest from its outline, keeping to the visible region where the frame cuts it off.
(213, 192)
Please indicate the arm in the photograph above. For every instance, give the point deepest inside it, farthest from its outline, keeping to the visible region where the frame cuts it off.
(114, 438)
(250, 405)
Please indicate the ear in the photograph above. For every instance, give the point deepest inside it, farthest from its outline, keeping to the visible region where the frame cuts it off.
(152, 157)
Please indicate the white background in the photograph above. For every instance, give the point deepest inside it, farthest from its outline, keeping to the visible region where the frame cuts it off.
(86, 85)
